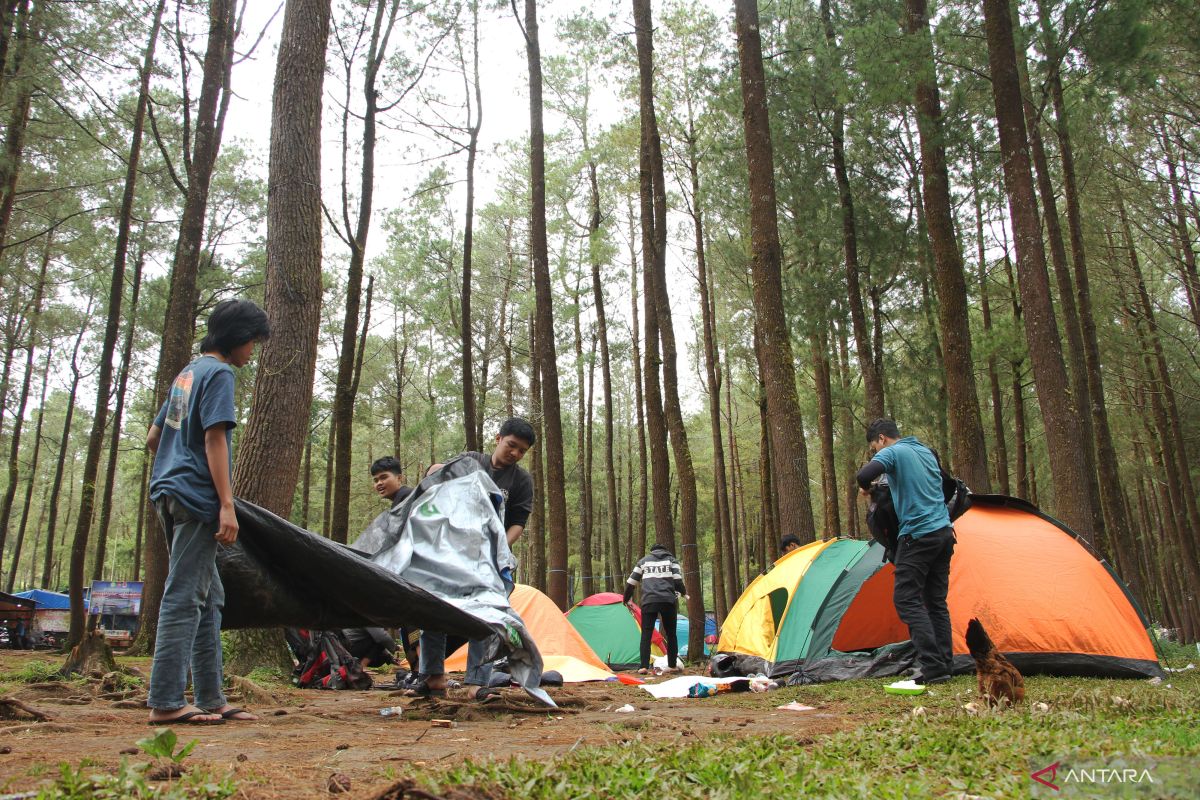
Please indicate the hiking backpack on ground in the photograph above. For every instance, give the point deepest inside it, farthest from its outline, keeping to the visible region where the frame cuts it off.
(323, 662)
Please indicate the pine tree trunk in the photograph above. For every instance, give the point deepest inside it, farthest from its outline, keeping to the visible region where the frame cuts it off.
(114, 440)
(1112, 498)
(639, 543)
(344, 388)
(268, 460)
(872, 379)
(722, 531)
(178, 329)
(789, 459)
(112, 329)
(999, 446)
(537, 519)
(967, 448)
(31, 482)
(651, 151)
(1166, 413)
(28, 35)
(64, 443)
(589, 504)
(617, 565)
(14, 454)
(1066, 297)
(143, 487)
(587, 567)
(1071, 488)
(473, 438)
(548, 364)
(847, 425)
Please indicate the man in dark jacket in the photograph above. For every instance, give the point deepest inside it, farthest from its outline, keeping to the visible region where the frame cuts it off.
(662, 584)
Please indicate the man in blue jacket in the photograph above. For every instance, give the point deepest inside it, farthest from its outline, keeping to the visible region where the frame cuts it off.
(924, 546)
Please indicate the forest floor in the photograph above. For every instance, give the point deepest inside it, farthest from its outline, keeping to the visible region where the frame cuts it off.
(309, 743)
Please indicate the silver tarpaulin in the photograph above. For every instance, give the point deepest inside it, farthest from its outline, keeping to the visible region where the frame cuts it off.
(448, 539)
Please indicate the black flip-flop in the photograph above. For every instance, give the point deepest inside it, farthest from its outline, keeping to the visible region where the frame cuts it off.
(188, 718)
(486, 694)
(231, 713)
(424, 690)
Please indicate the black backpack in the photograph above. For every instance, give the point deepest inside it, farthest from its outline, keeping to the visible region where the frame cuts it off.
(882, 521)
(323, 662)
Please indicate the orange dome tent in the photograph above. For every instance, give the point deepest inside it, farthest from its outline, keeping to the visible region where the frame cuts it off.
(561, 646)
(1046, 601)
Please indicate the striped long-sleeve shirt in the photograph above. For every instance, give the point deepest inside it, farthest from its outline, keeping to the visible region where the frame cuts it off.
(660, 577)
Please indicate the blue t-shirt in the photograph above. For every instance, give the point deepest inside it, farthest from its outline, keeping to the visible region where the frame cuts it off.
(200, 398)
(916, 483)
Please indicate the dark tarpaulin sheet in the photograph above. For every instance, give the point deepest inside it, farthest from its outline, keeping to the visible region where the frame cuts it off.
(280, 575)
(882, 662)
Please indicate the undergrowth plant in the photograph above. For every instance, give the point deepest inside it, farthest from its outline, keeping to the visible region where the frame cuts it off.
(132, 781)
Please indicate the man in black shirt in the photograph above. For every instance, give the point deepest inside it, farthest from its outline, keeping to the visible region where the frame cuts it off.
(514, 440)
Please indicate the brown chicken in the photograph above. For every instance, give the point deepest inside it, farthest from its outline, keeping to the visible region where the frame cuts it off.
(999, 681)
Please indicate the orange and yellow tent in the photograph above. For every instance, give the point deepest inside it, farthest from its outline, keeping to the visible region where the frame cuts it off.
(561, 646)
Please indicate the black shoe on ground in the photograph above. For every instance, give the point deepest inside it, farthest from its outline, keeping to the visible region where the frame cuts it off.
(932, 679)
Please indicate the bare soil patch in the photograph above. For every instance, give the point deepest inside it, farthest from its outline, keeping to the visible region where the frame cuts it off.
(307, 737)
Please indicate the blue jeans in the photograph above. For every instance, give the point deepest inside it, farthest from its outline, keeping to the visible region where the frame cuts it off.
(189, 619)
(433, 654)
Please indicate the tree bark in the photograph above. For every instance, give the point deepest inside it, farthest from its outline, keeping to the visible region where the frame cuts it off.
(595, 222)
(652, 158)
(1166, 412)
(114, 439)
(1081, 395)
(547, 360)
(272, 445)
(789, 459)
(28, 34)
(1111, 495)
(273, 442)
(871, 375)
(179, 321)
(356, 238)
(64, 443)
(967, 448)
(1000, 446)
(537, 518)
(29, 484)
(116, 295)
(1071, 492)
(847, 424)
(473, 126)
(14, 454)
(722, 531)
(639, 544)
(587, 567)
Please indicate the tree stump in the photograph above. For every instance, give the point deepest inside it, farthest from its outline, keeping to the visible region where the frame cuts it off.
(91, 654)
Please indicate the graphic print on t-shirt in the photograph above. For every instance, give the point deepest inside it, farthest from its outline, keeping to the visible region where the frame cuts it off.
(177, 406)
(656, 569)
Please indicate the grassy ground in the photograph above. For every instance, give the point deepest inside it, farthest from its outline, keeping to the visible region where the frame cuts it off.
(927, 746)
(941, 744)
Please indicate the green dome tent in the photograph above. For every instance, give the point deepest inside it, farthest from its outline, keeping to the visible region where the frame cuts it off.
(612, 630)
